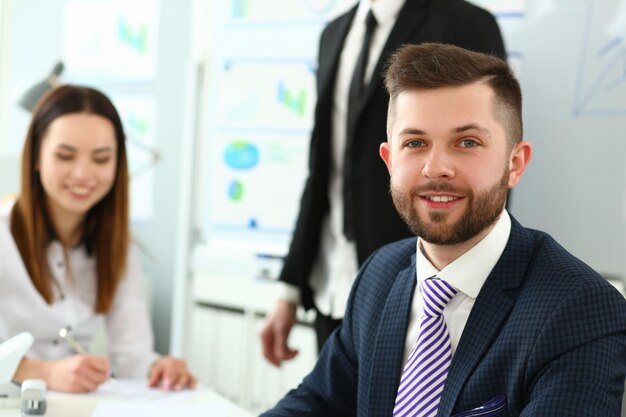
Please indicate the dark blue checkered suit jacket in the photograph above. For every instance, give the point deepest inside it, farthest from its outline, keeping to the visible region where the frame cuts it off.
(546, 331)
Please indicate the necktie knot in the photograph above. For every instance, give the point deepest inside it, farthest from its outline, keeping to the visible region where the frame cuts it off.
(436, 294)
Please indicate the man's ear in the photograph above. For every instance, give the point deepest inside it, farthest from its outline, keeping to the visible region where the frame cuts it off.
(385, 154)
(519, 159)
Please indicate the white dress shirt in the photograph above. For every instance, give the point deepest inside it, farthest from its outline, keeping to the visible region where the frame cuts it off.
(129, 335)
(336, 265)
(467, 274)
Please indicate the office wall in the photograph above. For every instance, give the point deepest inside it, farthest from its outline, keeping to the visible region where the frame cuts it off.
(159, 235)
(33, 43)
(3, 63)
(26, 27)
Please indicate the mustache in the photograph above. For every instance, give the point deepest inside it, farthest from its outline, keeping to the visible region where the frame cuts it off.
(438, 187)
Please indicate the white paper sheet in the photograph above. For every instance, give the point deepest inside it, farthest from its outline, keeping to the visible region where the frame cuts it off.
(138, 390)
(135, 398)
(142, 408)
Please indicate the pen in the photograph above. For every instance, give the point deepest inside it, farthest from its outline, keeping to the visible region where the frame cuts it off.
(65, 334)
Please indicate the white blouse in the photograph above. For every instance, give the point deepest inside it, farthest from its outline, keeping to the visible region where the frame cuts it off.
(129, 335)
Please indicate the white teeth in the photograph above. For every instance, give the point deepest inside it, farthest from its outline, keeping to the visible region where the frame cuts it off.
(79, 190)
(442, 198)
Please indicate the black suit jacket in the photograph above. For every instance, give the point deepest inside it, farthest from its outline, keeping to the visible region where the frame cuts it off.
(546, 334)
(365, 176)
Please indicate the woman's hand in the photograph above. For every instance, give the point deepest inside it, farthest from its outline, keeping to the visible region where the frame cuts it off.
(79, 373)
(171, 374)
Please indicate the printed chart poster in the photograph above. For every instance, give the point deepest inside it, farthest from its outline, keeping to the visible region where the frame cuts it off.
(111, 40)
(267, 94)
(261, 107)
(139, 119)
(257, 182)
(255, 11)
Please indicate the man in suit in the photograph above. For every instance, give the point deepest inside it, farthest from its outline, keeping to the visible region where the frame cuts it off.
(346, 211)
(526, 329)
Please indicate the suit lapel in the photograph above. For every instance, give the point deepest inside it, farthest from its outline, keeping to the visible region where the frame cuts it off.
(388, 350)
(491, 310)
(332, 50)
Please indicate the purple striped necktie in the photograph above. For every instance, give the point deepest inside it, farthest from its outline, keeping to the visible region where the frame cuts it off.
(426, 369)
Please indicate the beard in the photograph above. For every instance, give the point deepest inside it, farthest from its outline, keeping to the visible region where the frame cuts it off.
(482, 211)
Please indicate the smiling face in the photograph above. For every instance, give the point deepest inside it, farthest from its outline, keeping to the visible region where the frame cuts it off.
(449, 162)
(77, 163)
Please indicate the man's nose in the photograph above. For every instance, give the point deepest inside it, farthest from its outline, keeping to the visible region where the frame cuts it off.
(438, 166)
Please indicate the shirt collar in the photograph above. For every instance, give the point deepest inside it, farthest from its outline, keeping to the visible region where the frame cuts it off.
(384, 11)
(469, 271)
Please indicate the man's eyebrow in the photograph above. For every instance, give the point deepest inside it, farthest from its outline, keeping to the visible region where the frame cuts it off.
(460, 129)
(470, 126)
(411, 131)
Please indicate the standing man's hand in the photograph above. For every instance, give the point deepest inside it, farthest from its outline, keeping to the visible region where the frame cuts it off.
(276, 332)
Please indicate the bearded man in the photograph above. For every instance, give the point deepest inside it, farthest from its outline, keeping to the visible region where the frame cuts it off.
(477, 315)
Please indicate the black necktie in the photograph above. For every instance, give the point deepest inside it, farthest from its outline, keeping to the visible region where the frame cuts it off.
(357, 84)
(357, 88)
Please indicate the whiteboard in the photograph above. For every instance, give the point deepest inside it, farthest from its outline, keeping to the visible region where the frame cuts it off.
(110, 40)
(573, 75)
(261, 100)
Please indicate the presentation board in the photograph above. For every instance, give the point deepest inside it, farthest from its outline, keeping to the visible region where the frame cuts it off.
(111, 40)
(570, 56)
(261, 103)
(574, 82)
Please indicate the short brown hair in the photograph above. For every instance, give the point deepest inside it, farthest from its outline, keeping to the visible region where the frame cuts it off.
(106, 230)
(432, 65)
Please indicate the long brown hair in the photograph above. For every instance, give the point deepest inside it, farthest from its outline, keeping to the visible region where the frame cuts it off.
(106, 229)
(430, 65)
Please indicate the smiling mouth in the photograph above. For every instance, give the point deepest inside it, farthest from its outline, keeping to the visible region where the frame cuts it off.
(81, 191)
(441, 198)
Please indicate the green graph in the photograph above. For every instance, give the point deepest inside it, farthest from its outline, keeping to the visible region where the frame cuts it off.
(136, 38)
(138, 124)
(295, 101)
(241, 9)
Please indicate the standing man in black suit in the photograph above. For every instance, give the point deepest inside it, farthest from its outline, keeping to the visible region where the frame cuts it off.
(346, 211)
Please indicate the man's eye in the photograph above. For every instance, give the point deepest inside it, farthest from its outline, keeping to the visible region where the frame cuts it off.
(415, 144)
(469, 143)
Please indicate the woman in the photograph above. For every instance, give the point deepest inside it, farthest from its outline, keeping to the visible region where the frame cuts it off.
(66, 259)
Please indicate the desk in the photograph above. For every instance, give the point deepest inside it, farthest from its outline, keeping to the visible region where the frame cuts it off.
(83, 405)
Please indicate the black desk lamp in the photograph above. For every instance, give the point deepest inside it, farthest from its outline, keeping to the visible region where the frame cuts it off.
(33, 94)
